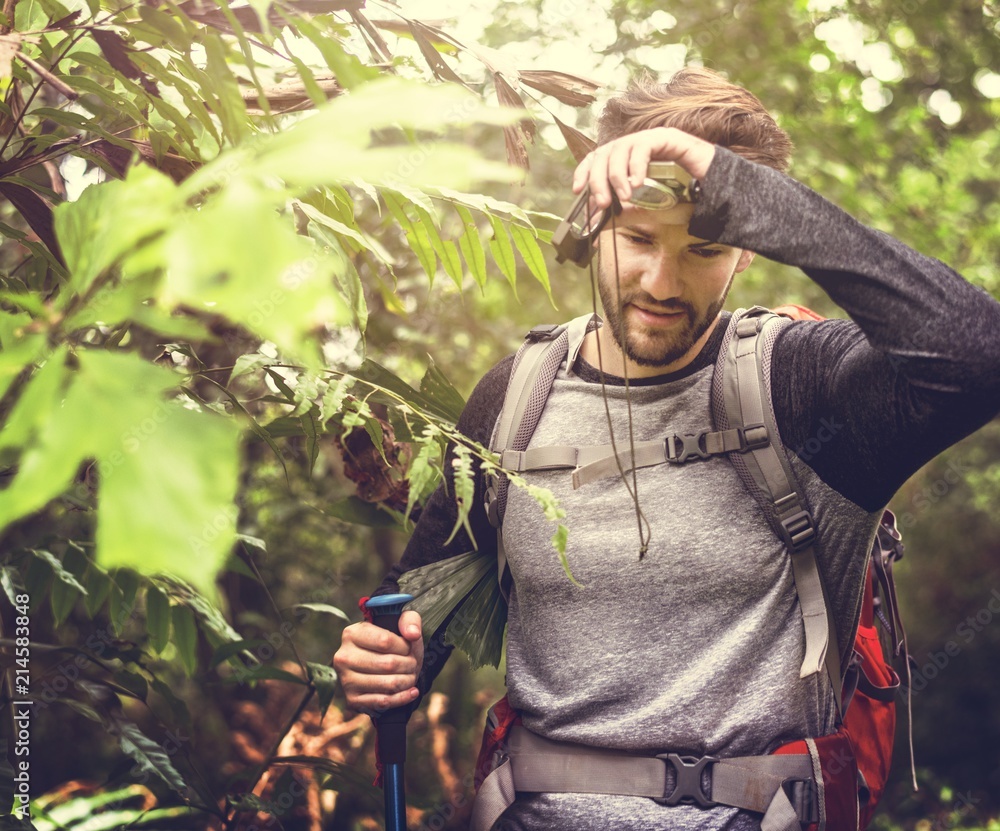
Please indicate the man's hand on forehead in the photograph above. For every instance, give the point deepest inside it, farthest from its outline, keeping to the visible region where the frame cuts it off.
(622, 163)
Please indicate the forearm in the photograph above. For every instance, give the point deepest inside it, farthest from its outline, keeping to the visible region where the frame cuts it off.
(939, 330)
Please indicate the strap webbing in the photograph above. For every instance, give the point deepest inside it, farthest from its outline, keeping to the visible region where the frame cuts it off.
(744, 389)
(537, 765)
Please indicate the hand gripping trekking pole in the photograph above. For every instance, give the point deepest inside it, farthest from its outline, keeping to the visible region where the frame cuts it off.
(391, 724)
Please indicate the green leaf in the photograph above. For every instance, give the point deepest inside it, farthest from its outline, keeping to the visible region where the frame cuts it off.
(423, 474)
(38, 403)
(13, 585)
(274, 281)
(357, 511)
(416, 233)
(122, 599)
(131, 683)
(472, 247)
(149, 756)
(248, 363)
(111, 219)
(348, 70)
(559, 542)
(187, 466)
(437, 388)
(464, 482)
(342, 777)
(157, 618)
(62, 574)
(245, 802)
(98, 585)
(177, 705)
(185, 637)
(64, 595)
(37, 578)
(211, 620)
(333, 399)
(231, 650)
(224, 89)
(324, 679)
(323, 608)
(446, 250)
(166, 25)
(380, 378)
(527, 246)
(503, 252)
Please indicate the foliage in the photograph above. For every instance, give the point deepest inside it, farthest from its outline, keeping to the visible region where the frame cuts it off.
(209, 444)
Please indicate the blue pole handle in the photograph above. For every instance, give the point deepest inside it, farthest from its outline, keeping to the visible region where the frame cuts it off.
(391, 724)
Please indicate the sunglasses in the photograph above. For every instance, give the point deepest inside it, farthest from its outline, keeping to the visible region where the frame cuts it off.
(666, 184)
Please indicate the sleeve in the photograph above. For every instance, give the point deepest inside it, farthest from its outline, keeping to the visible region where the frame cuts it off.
(439, 515)
(864, 402)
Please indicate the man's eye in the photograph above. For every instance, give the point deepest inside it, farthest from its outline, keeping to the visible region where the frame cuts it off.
(636, 239)
(706, 253)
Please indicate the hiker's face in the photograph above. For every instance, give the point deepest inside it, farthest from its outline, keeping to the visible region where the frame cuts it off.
(672, 285)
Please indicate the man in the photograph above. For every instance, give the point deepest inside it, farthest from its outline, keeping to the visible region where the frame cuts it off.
(696, 647)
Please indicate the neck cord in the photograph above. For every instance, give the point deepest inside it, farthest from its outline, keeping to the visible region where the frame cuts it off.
(645, 534)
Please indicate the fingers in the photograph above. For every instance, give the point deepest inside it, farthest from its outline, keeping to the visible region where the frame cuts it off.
(412, 628)
(378, 669)
(622, 164)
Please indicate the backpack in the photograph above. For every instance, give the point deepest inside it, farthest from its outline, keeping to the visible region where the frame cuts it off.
(853, 763)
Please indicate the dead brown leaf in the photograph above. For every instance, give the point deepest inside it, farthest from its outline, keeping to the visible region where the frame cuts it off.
(438, 66)
(516, 136)
(570, 89)
(579, 144)
(116, 52)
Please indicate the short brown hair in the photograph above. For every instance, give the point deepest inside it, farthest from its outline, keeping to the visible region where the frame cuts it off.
(703, 103)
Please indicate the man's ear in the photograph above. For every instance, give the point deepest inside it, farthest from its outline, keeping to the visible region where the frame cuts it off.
(746, 257)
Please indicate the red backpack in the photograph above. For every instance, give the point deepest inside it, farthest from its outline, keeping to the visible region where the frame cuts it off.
(851, 766)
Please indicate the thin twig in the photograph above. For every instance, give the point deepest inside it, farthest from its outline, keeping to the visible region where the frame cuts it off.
(35, 91)
(291, 643)
(60, 86)
(8, 12)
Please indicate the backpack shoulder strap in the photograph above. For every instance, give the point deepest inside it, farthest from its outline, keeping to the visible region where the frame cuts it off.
(531, 377)
(741, 398)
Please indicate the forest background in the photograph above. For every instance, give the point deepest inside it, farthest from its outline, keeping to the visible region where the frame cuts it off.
(256, 255)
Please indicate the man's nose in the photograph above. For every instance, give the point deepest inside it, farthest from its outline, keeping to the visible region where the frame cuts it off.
(661, 278)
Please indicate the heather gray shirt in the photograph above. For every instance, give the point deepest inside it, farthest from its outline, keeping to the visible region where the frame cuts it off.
(696, 648)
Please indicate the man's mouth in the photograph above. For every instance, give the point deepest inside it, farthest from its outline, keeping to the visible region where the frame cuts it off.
(659, 317)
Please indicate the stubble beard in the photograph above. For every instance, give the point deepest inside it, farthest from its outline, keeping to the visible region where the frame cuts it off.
(652, 349)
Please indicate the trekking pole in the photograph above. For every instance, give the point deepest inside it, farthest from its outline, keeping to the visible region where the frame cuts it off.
(391, 724)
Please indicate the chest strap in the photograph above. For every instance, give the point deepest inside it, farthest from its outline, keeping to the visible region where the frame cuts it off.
(592, 462)
(781, 788)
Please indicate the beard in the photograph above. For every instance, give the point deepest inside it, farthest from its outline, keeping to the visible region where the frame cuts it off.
(653, 348)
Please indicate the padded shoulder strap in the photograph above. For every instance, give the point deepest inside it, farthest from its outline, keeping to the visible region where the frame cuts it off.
(531, 378)
(741, 399)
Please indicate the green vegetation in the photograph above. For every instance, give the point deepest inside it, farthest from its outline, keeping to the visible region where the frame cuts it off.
(254, 258)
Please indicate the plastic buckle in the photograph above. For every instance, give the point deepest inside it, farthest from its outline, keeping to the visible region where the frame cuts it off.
(687, 789)
(492, 505)
(754, 437)
(690, 447)
(799, 530)
(542, 332)
(748, 326)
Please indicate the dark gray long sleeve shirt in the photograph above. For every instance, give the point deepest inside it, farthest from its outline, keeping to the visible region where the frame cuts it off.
(696, 648)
